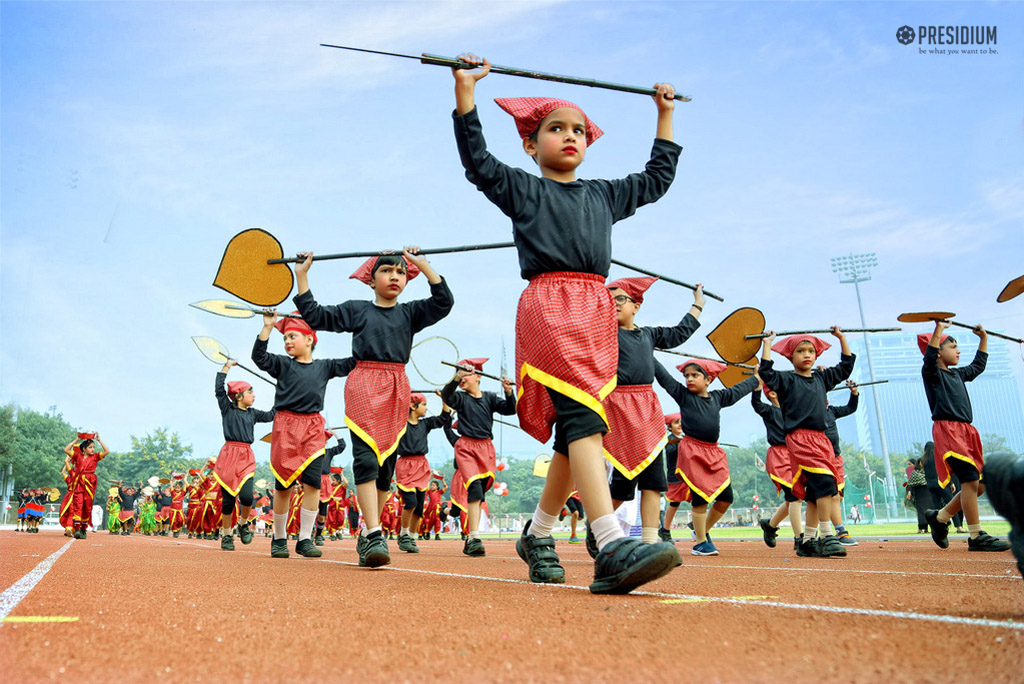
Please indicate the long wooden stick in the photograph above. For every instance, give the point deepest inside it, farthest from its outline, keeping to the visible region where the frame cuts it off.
(705, 358)
(826, 330)
(242, 307)
(364, 255)
(470, 369)
(993, 334)
(858, 385)
(455, 63)
(665, 278)
(249, 370)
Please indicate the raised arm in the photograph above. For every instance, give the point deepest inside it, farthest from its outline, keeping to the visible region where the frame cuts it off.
(675, 389)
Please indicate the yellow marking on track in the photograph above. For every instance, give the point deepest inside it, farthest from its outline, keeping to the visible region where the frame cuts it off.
(752, 598)
(672, 601)
(41, 618)
(733, 598)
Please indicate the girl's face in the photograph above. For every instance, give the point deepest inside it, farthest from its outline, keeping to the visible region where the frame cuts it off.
(389, 280)
(296, 344)
(696, 381)
(433, 486)
(804, 356)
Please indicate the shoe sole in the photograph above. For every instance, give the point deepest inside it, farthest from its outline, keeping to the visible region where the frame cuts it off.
(375, 559)
(648, 570)
(703, 553)
(534, 578)
(278, 554)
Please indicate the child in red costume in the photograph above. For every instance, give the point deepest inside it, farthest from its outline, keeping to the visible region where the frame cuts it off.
(84, 458)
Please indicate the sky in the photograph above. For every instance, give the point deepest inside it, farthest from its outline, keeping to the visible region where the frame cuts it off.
(136, 138)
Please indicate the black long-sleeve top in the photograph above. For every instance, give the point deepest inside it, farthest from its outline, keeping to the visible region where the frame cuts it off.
(329, 453)
(700, 417)
(161, 499)
(671, 459)
(636, 348)
(835, 412)
(300, 386)
(772, 417)
(802, 399)
(476, 414)
(451, 434)
(378, 333)
(947, 389)
(561, 226)
(237, 423)
(414, 441)
(127, 500)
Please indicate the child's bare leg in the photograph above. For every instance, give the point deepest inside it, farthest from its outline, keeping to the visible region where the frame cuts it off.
(282, 499)
(406, 518)
(473, 518)
(718, 509)
(837, 510)
(414, 523)
(670, 515)
(779, 515)
(573, 521)
(824, 515)
(811, 518)
(795, 519)
(557, 487)
(968, 494)
(650, 515)
(586, 462)
(700, 522)
(367, 495)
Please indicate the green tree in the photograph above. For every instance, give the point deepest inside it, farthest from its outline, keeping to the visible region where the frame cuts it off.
(157, 453)
(34, 446)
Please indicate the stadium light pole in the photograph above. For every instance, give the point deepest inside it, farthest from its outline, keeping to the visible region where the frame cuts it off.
(854, 268)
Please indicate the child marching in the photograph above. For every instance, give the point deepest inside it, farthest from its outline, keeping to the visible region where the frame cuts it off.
(412, 471)
(779, 467)
(84, 458)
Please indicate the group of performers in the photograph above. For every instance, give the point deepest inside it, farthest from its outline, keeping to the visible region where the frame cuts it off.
(584, 374)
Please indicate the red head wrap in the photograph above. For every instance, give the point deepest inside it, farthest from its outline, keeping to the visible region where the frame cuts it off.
(236, 387)
(671, 418)
(712, 368)
(477, 364)
(364, 273)
(337, 470)
(530, 111)
(86, 435)
(283, 325)
(924, 338)
(416, 398)
(788, 345)
(634, 287)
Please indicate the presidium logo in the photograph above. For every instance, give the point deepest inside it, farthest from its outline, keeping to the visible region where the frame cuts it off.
(967, 39)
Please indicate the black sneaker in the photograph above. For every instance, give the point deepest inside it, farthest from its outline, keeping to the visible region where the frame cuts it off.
(318, 539)
(474, 547)
(437, 537)
(770, 533)
(940, 531)
(986, 542)
(175, 535)
(664, 535)
(374, 551)
(829, 547)
(808, 548)
(245, 533)
(626, 563)
(407, 543)
(591, 542)
(540, 555)
(307, 548)
(796, 542)
(227, 543)
(279, 548)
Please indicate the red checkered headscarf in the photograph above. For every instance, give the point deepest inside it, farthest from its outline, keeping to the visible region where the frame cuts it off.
(634, 287)
(530, 111)
(285, 324)
(671, 418)
(417, 398)
(924, 338)
(236, 387)
(364, 273)
(788, 345)
(712, 368)
(477, 364)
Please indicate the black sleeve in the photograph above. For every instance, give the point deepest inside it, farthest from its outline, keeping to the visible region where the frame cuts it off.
(264, 416)
(427, 312)
(344, 317)
(270, 363)
(668, 383)
(450, 396)
(730, 395)
(222, 395)
(851, 406)
(667, 338)
(930, 368)
(505, 404)
(637, 189)
(761, 408)
(976, 368)
(836, 374)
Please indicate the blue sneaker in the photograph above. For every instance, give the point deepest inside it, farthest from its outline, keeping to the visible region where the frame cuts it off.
(704, 549)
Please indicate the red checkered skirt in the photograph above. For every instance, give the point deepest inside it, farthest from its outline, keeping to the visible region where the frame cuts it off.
(955, 440)
(412, 473)
(566, 341)
(475, 460)
(703, 467)
(460, 489)
(840, 472)
(235, 464)
(298, 439)
(779, 466)
(377, 405)
(810, 451)
(636, 429)
(678, 492)
(164, 514)
(325, 488)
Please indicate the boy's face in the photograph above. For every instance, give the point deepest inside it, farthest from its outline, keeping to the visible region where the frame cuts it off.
(625, 307)
(949, 352)
(419, 408)
(804, 356)
(696, 381)
(296, 344)
(561, 140)
(468, 381)
(247, 398)
(676, 427)
(389, 280)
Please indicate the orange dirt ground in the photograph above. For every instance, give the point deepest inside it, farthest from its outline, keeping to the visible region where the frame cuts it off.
(183, 610)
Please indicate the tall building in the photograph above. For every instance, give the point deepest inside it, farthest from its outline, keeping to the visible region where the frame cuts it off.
(995, 394)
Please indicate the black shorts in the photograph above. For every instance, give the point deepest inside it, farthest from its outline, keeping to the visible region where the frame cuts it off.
(724, 496)
(574, 421)
(964, 471)
(652, 478)
(788, 495)
(310, 476)
(413, 501)
(227, 503)
(322, 509)
(818, 486)
(385, 472)
(475, 491)
(574, 505)
(364, 463)
(353, 518)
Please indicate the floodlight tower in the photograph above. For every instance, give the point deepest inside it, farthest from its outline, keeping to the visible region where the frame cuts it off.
(855, 269)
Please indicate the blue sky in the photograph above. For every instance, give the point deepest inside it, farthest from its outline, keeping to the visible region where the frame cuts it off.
(137, 138)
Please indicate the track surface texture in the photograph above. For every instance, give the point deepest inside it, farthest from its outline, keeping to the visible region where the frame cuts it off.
(182, 610)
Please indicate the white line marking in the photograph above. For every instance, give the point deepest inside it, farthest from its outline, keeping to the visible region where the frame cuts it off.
(13, 595)
(900, 615)
(866, 572)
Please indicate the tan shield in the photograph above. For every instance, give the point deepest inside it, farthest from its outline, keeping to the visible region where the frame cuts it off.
(728, 338)
(245, 273)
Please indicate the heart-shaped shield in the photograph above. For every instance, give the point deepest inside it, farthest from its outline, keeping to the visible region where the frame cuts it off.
(925, 316)
(245, 273)
(728, 338)
(734, 375)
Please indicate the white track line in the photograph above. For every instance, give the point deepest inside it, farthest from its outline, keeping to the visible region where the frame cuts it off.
(12, 596)
(899, 615)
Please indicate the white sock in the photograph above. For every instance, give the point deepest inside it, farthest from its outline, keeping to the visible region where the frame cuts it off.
(606, 529)
(307, 519)
(475, 534)
(280, 525)
(405, 530)
(542, 523)
(825, 528)
(649, 535)
(810, 533)
(943, 516)
(367, 531)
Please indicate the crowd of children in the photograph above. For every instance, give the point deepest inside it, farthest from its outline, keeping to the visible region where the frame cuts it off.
(584, 374)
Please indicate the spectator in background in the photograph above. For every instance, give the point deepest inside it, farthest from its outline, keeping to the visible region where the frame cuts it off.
(855, 514)
(918, 495)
